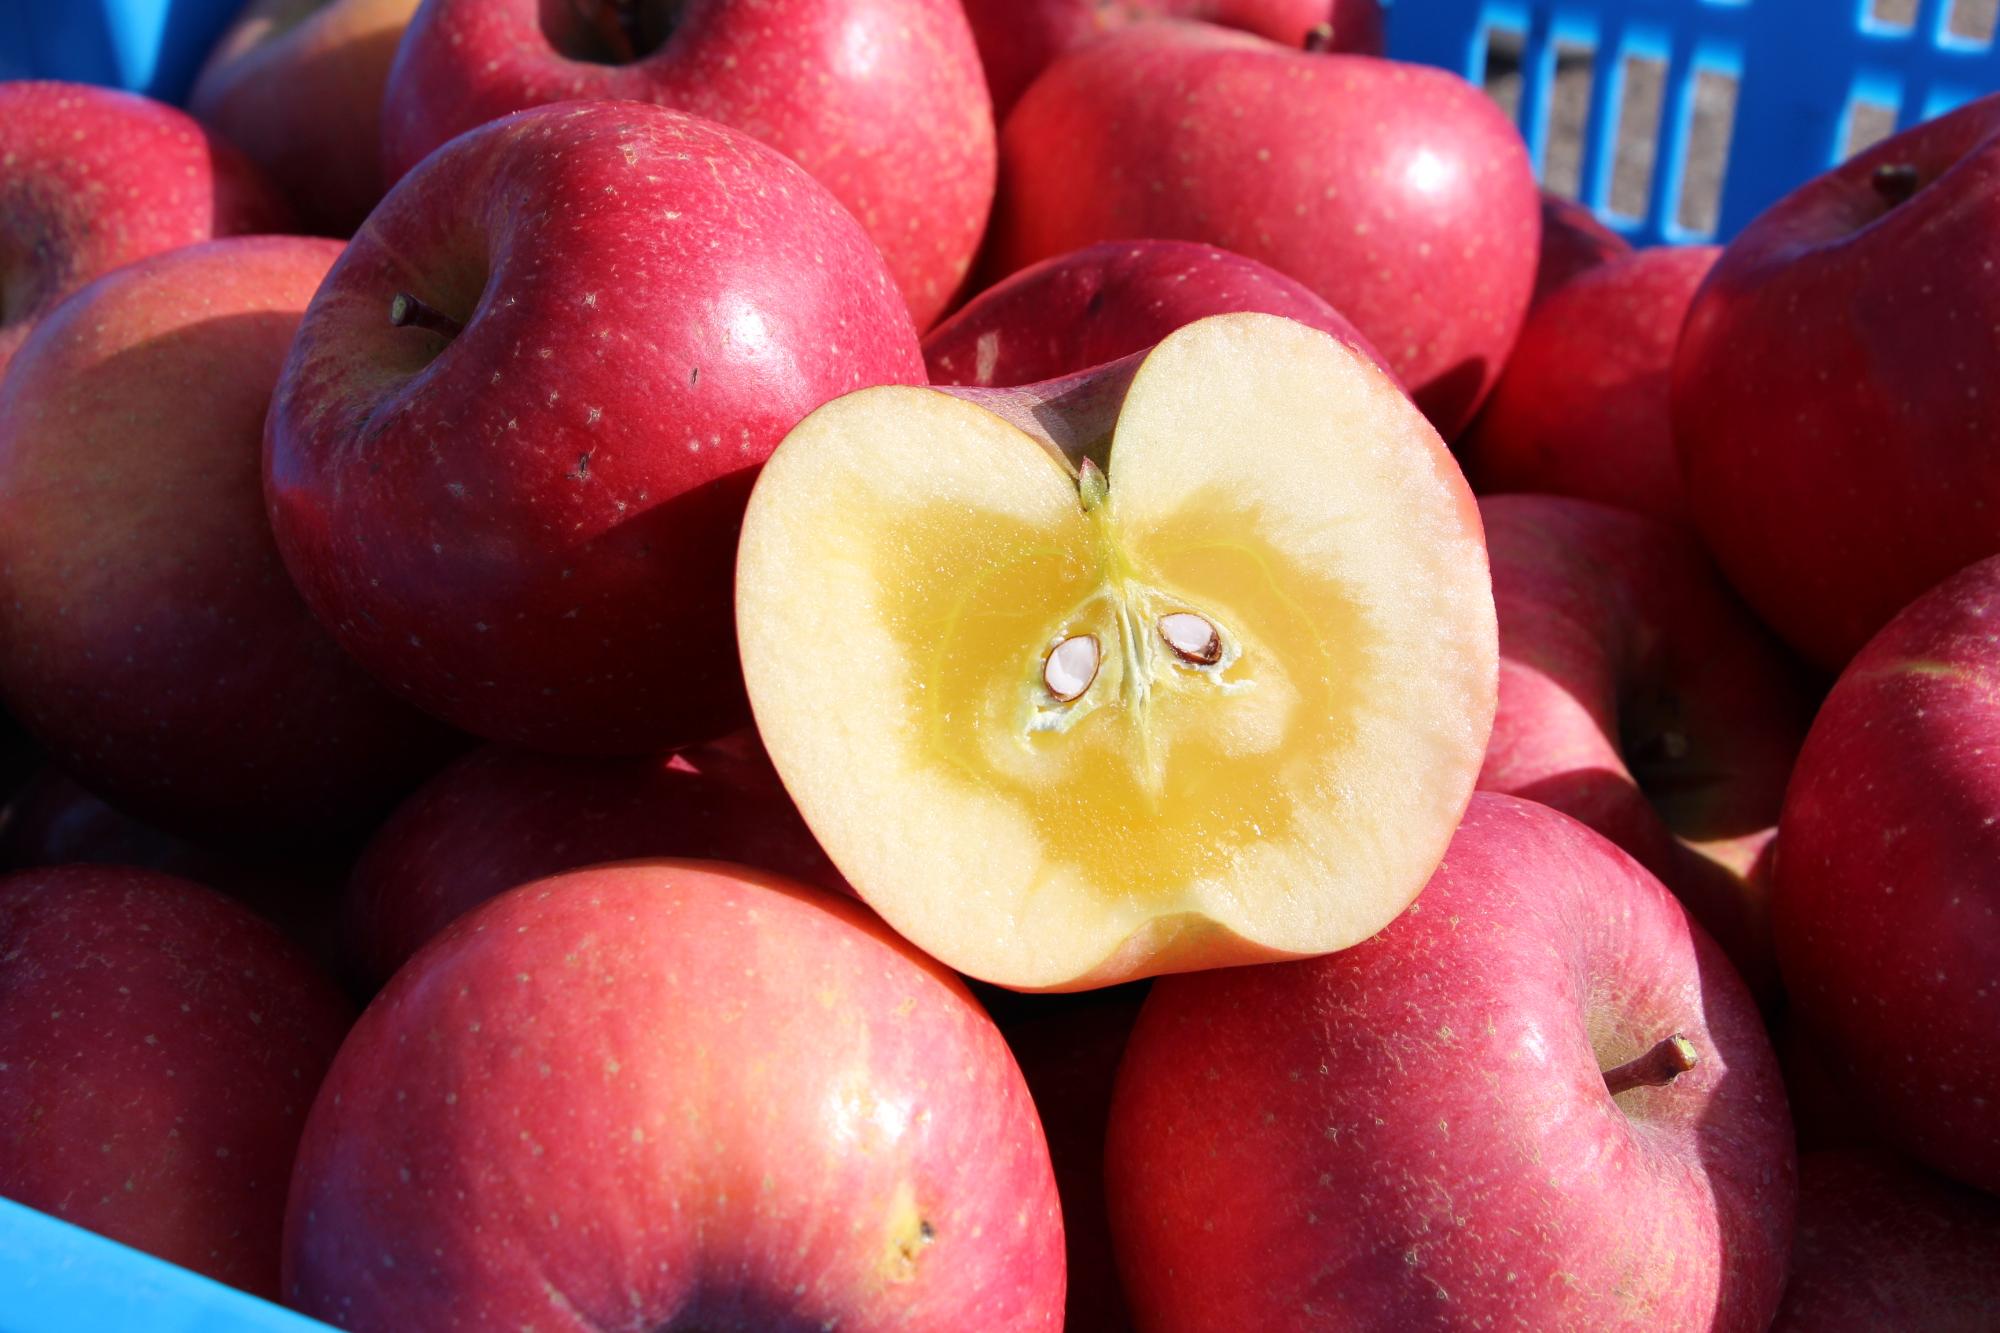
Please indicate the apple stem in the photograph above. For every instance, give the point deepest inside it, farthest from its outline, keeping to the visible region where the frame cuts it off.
(1658, 1067)
(407, 312)
(1896, 182)
(1319, 40)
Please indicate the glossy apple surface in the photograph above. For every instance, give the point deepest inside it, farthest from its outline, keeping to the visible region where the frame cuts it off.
(95, 179)
(1186, 661)
(1887, 905)
(675, 1095)
(149, 637)
(882, 101)
(1109, 300)
(298, 84)
(1582, 407)
(1399, 193)
(159, 1049)
(1637, 695)
(527, 525)
(1419, 1132)
(1830, 399)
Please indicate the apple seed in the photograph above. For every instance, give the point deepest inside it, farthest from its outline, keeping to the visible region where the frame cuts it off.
(1193, 639)
(1071, 666)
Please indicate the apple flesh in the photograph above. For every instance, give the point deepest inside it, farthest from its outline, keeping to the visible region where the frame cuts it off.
(1887, 902)
(519, 509)
(1884, 1245)
(1184, 662)
(1637, 695)
(1108, 301)
(1399, 193)
(95, 179)
(298, 85)
(1582, 407)
(500, 817)
(1831, 400)
(1425, 1128)
(674, 1095)
(1573, 242)
(882, 101)
(145, 616)
(159, 1049)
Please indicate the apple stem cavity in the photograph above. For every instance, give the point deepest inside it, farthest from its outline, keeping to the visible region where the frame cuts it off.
(1896, 182)
(1667, 1061)
(1319, 40)
(407, 312)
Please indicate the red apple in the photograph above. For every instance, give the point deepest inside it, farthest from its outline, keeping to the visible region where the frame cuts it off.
(1460, 1122)
(94, 179)
(1637, 695)
(1018, 38)
(881, 100)
(152, 642)
(1882, 1245)
(675, 1095)
(159, 1048)
(1399, 193)
(1824, 1113)
(500, 817)
(1106, 301)
(1582, 407)
(1832, 395)
(1887, 904)
(520, 509)
(298, 85)
(1573, 242)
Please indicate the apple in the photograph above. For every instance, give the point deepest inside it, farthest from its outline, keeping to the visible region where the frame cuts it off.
(1883, 1245)
(1886, 908)
(1019, 38)
(519, 507)
(94, 179)
(1539, 1099)
(1573, 242)
(881, 100)
(1109, 300)
(674, 1095)
(1582, 407)
(298, 85)
(1831, 400)
(1400, 193)
(149, 638)
(1637, 695)
(159, 1049)
(1186, 661)
(501, 817)
(1824, 1113)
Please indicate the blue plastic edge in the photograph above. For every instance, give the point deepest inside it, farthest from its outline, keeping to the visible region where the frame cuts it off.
(154, 47)
(58, 1278)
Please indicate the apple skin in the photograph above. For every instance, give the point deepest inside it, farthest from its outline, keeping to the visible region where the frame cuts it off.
(499, 818)
(1398, 193)
(1884, 1245)
(675, 1095)
(882, 101)
(1830, 400)
(1019, 38)
(1582, 407)
(530, 529)
(298, 85)
(159, 1049)
(97, 178)
(1887, 902)
(144, 611)
(1348, 1141)
(1107, 301)
(1573, 242)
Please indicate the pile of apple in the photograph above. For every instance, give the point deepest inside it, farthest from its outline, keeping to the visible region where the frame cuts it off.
(620, 748)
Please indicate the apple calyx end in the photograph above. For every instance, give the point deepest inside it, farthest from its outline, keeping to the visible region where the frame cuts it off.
(1896, 182)
(1092, 486)
(1665, 1062)
(408, 312)
(1319, 40)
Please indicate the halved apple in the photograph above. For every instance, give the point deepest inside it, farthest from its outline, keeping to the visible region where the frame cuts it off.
(1186, 661)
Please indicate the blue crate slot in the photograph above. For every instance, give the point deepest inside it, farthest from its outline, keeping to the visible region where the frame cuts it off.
(1800, 68)
(56, 1278)
(148, 46)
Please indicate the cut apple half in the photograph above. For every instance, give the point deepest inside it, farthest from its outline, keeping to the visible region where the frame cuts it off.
(1187, 661)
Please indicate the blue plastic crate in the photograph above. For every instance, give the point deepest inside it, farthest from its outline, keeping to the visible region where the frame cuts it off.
(149, 46)
(1800, 70)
